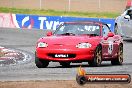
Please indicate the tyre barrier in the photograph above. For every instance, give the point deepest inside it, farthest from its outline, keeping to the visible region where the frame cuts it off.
(13, 56)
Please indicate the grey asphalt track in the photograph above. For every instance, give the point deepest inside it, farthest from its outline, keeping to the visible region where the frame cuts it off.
(25, 40)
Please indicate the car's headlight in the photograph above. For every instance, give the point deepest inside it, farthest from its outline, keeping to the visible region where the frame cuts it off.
(42, 45)
(84, 45)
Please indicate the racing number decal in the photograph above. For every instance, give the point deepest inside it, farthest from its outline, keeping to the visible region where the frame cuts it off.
(110, 47)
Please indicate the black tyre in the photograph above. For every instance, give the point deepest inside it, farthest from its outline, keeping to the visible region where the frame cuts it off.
(119, 59)
(65, 64)
(41, 63)
(116, 29)
(97, 58)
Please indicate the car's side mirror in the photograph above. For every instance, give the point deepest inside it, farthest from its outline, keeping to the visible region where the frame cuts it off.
(110, 34)
(127, 17)
(49, 33)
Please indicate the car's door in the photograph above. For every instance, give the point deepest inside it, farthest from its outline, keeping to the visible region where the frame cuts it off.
(108, 43)
(126, 22)
(123, 21)
(128, 30)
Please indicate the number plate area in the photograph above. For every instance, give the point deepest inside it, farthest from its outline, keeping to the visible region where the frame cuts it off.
(61, 56)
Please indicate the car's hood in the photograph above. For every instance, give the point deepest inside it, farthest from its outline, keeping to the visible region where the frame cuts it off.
(70, 40)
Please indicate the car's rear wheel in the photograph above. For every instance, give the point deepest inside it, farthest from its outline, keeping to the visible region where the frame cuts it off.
(119, 59)
(41, 63)
(65, 64)
(97, 58)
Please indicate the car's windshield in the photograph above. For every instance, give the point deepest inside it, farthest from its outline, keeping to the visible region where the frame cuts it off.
(78, 29)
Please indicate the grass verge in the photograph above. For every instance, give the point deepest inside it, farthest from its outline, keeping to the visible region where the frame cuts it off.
(59, 13)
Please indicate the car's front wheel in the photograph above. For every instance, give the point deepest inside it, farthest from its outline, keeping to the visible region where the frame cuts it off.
(116, 29)
(41, 63)
(119, 59)
(97, 58)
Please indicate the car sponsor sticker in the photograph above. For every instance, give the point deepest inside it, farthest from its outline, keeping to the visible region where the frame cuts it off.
(110, 47)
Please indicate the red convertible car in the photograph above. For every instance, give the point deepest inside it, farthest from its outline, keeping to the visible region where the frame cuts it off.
(89, 41)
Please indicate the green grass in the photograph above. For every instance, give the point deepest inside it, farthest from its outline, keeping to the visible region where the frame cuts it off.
(59, 13)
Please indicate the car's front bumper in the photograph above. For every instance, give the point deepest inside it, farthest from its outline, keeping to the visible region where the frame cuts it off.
(73, 54)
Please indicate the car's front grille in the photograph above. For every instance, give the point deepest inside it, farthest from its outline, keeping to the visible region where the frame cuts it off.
(62, 55)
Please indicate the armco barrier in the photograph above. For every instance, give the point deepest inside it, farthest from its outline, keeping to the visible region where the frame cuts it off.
(46, 22)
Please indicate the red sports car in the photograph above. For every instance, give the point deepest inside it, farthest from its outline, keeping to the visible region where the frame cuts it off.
(90, 41)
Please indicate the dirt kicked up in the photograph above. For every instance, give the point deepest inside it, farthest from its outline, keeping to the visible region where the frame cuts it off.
(58, 84)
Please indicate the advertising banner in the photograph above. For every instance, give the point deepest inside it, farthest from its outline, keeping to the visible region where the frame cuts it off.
(43, 22)
(51, 22)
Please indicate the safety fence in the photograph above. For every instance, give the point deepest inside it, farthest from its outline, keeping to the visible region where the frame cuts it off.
(43, 22)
